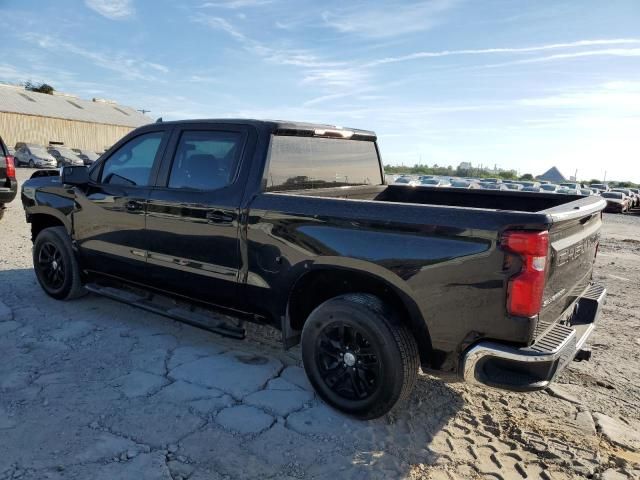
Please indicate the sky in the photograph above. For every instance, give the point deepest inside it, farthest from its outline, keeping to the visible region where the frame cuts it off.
(513, 83)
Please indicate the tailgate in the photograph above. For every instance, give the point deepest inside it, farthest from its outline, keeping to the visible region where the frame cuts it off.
(573, 239)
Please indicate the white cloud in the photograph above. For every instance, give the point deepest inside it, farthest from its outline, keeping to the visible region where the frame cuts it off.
(604, 52)
(234, 4)
(505, 50)
(388, 20)
(128, 67)
(112, 9)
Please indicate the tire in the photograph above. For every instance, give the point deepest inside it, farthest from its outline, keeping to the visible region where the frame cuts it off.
(374, 366)
(56, 266)
(1, 210)
(32, 164)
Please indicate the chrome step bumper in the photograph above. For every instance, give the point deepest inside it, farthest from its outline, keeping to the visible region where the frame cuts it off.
(533, 368)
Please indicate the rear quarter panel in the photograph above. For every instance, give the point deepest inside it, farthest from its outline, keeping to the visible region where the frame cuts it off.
(445, 259)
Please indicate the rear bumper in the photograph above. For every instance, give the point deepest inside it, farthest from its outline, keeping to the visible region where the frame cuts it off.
(533, 368)
(8, 194)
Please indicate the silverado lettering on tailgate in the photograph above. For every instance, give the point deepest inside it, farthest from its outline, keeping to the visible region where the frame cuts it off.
(575, 251)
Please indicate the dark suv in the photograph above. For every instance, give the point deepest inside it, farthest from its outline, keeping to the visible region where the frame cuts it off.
(8, 182)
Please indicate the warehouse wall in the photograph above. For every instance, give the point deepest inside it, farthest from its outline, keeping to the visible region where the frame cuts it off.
(16, 127)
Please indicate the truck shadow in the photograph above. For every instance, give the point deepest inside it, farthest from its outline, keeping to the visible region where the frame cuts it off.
(415, 433)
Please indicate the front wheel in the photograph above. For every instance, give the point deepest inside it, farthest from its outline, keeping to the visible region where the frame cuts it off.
(55, 265)
(358, 355)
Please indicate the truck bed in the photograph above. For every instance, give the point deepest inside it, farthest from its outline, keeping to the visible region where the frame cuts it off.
(451, 197)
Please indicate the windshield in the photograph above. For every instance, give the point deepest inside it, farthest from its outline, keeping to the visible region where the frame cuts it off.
(548, 187)
(39, 151)
(297, 163)
(616, 195)
(430, 181)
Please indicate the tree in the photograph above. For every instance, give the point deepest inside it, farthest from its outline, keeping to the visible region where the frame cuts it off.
(526, 176)
(40, 88)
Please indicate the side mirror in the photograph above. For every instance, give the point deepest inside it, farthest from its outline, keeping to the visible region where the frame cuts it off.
(75, 175)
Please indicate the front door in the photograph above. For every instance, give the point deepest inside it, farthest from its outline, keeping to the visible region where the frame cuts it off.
(109, 220)
(193, 214)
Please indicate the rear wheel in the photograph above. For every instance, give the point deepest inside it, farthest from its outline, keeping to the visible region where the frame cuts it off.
(55, 265)
(358, 355)
(31, 163)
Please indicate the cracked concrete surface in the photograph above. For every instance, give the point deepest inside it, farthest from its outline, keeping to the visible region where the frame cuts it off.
(97, 389)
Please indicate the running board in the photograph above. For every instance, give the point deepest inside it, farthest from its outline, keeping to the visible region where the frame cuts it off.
(163, 305)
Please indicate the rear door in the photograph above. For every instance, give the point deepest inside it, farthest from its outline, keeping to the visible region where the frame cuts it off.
(193, 215)
(109, 224)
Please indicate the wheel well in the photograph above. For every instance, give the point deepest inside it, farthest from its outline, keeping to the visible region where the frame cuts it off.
(40, 221)
(319, 286)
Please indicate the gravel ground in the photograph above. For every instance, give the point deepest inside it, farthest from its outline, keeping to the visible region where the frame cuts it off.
(96, 389)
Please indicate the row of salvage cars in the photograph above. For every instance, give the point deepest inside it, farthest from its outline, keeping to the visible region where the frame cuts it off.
(54, 156)
(619, 200)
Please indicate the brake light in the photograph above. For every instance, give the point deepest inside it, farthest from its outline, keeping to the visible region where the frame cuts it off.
(11, 167)
(526, 288)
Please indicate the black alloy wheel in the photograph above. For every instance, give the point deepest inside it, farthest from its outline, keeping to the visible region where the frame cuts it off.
(51, 266)
(358, 355)
(348, 362)
(55, 264)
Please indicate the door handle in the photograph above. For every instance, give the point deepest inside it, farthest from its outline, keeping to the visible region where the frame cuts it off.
(133, 206)
(218, 216)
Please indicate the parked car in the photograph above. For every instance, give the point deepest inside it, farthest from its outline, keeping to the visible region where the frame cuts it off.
(433, 182)
(617, 202)
(531, 188)
(569, 191)
(603, 187)
(87, 156)
(405, 180)
(586, 191)
(464, 184)
(493, 186)
(549, 187)
(373, 280)
(65, 156)
(8, 183)
(492, 180)
(572, 185)
(33, 155)
(634, 200)
(526, 183)
(513, 186)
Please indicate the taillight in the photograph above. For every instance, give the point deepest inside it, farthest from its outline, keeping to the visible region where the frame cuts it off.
(526, 287)
(11, 167)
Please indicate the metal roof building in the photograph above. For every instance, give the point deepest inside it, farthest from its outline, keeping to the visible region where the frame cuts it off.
(63, 119)
(552, 175)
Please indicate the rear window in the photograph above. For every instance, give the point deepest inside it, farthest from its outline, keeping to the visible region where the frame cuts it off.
(612, 195)
(297, 163)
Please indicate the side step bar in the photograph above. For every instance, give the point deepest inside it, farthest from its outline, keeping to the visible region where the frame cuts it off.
(163, 305)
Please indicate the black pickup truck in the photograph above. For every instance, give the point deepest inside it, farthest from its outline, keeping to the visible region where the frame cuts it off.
(8, 183)
(292, 225)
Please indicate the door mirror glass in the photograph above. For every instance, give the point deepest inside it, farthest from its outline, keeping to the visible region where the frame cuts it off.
(75, 175)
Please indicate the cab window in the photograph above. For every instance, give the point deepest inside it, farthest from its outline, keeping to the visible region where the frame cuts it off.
(132, 163)
(206, 159)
